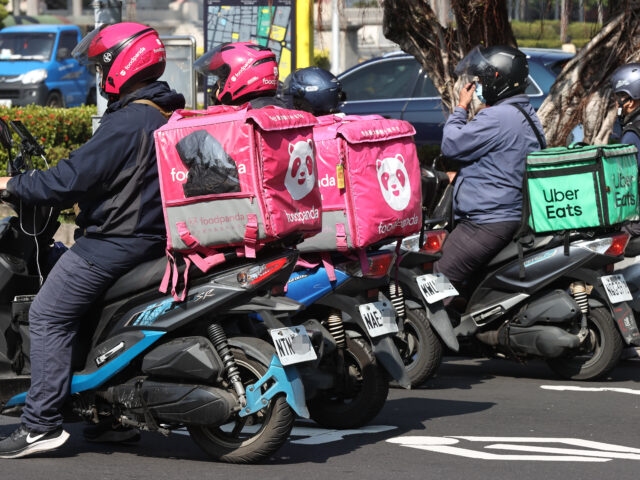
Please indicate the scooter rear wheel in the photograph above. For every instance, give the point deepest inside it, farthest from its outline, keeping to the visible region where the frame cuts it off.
(422, 354)
(605, 348)
(363, 397)
(253, 438)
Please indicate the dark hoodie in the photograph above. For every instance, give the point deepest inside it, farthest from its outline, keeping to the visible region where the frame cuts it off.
(114, 180)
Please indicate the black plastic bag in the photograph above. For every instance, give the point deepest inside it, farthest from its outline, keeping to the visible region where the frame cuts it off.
(211, 169)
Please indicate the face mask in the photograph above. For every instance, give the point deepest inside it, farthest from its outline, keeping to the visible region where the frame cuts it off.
(478, 92)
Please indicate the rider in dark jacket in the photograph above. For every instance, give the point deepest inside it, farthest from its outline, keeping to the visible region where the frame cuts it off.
(114, 180)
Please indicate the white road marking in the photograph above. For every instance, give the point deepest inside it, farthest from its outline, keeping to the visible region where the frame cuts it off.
(316, 436)
(312, 435)
(572, 388)
(591, 452)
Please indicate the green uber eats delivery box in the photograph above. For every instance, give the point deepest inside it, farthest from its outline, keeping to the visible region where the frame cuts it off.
(581, 187)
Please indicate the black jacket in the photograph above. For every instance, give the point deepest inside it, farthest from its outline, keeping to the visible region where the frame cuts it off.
(113, 178)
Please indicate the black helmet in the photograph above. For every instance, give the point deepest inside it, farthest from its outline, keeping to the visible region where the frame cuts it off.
(315, 90)
(503, 71)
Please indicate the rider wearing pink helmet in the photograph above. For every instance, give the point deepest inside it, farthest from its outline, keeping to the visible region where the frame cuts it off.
(243, 72)
(114, 180)
(125, 54)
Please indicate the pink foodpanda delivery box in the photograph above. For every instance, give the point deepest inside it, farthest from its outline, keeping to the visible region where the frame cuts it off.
(235, 177)
(369, 177)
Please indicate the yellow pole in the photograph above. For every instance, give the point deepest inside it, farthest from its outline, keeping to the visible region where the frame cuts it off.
(304, 33)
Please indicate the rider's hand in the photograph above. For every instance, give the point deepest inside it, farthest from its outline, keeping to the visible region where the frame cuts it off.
(466, 95)
(3, 182)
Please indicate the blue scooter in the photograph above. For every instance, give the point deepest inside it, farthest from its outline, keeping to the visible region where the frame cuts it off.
(358, 325)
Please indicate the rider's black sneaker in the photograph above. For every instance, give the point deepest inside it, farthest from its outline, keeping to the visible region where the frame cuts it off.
(25, 442)
(107, 432)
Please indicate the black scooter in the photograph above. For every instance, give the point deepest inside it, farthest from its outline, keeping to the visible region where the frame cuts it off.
(147, 361)
(561, 302)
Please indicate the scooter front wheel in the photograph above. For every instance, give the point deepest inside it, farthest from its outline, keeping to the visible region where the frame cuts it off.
(248, 439)
(360, 397)
(599, 353)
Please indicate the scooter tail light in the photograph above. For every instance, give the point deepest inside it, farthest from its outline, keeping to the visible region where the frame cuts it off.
(433, 241)
(618, 245)
(379, 265)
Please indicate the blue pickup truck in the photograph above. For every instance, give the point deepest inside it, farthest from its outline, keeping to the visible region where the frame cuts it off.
(36, 67)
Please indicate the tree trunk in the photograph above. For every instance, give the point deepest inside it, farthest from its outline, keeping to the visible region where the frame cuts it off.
(581, 93)
(564, 20)
(413, 25)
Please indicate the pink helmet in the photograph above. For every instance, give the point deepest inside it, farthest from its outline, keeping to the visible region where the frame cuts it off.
(245, 70)
(127, 53)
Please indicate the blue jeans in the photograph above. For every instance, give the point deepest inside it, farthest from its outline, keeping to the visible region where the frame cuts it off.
(70, 289)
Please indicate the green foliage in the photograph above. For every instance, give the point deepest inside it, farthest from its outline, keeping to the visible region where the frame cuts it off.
(321, 59)
(59, 130)
(3, 11)
(546, 34)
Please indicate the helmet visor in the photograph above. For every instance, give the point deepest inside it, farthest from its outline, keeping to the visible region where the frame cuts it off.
(81, 51)
(210, 62)
(474, 64)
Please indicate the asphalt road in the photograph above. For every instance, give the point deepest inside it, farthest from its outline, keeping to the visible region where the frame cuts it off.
(478, 419)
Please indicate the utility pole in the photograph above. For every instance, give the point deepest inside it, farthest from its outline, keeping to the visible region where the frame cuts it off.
(335, 38)
(32, 7)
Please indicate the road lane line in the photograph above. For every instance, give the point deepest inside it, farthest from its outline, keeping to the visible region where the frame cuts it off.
(572, 388)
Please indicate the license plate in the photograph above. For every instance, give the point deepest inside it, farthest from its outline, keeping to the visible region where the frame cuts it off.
(435, 287)
(5, 102)
(293, 345)
(379, 318)
(616, 288)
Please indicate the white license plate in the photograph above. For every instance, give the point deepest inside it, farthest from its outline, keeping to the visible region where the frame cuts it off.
(379, 318)
(5, 102)
(435, 287)
(616, 288)
(293, 345)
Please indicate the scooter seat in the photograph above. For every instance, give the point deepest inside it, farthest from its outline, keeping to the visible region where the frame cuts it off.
(511, 251)
(633, 247)
(143, 277)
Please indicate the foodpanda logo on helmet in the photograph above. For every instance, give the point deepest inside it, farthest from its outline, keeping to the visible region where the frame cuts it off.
(107, 57)
(267, 81)
(135, 58)
(242, 69)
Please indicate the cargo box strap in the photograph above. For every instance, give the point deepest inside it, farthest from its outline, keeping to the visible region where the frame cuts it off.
(364, 260)
(327, 263)
(210, 257)
(540, 138)
(341, 238)
(251, 236)
(144, 101)
(171, 275)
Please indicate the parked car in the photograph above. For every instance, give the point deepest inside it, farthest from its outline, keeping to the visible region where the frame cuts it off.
(36, 67)
(396, 86)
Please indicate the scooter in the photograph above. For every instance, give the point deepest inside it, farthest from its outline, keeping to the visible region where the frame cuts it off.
(359, 325)
(149, 362)
(559, 302)
(632, 273)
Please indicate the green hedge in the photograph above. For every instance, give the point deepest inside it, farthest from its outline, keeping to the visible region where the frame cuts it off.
(547, 34)
(59, 130)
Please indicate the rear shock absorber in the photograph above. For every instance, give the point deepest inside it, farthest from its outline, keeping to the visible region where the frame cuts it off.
(396, 295)
(336, 328)
(219, 339)
(580, 295)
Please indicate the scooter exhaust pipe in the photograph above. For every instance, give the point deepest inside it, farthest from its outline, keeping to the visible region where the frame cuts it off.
(541, 340)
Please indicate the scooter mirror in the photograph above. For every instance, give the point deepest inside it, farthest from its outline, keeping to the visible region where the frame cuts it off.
(5, 134)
